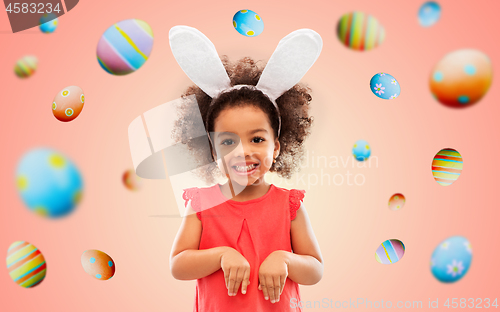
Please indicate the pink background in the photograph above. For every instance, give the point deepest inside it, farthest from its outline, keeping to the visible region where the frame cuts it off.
(349, 221)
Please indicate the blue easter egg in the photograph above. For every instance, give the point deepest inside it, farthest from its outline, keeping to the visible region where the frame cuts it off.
(48, 23)
(248, 23)
(48, 182)
(385, 86)
(361, 150)
(451, 259)
(429, 13)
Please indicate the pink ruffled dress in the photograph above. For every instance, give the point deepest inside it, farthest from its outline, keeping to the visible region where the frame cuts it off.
(255, 228)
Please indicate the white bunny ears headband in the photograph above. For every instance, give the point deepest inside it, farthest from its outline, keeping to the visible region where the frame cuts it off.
(291, 60)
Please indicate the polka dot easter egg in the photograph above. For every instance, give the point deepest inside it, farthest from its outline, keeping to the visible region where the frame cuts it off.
(49, 183)
(451, 259)
(447, 166)
(68, 103)
(26, 66)
(48, 23)
(397, 201)
(98, 264)
(390, 251)
(360, 31)
(385, 86)
(361, 150)
(26, 264)
(131, 180)
(248, 23)
(125, 46)
(461, 78)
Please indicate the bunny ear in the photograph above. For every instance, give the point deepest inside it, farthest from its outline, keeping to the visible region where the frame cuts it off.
(196, 55)
(291, 60)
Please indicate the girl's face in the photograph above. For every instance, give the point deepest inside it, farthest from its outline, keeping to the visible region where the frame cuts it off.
(244, 144)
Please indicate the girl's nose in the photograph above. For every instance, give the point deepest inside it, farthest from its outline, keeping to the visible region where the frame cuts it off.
(243, 150)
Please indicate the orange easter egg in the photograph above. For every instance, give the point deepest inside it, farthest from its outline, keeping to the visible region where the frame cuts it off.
(68, 103)
(98, 264)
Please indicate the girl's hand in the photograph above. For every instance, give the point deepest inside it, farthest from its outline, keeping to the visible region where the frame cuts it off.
(236, 271)
(272, 275)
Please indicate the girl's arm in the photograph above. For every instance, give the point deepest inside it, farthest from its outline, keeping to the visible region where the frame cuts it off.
(186, 261)
(305, 263)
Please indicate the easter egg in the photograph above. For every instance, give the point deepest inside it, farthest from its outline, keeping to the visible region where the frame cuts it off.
(361, 150)
(461, 78)
(68, 103)
(390, 251)
(447, 166)
(429, 13)
(360, 31)
(451, 259)
(125, 46)
(26, 66)
(26, 264)
(131, 180)
(98, 264)
(397, 201)
(385, 86)
(49, 183)
(48, 23)
(248, 23)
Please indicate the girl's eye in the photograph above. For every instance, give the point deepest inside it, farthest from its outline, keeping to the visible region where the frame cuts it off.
(227, 142)
(259, 139)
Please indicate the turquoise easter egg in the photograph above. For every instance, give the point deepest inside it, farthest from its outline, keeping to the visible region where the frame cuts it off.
(49, 183)
(361, 150)
(248, 23)
(451, 259)
(385, 86)
(429, 13)
(125, 46)
(48, 23)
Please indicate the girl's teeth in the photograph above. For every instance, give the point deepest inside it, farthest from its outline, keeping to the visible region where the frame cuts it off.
(247, 168)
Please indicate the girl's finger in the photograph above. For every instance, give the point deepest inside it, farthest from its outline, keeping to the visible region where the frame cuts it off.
(232, 280)
(277, 287)
(263, 287)
(282, 283)
(270, 288)
(226, 278)
(246, 281)
(239, 279)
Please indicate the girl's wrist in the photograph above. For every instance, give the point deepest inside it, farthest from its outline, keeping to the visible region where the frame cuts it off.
(222, 250)
(285, 255)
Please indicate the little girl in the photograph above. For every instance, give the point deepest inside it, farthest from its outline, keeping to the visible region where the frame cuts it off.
(248, 243)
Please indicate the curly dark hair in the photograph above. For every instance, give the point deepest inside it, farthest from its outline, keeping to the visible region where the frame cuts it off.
(293, 107)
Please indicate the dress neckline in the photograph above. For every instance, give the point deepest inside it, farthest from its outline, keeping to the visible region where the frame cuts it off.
(258, 199)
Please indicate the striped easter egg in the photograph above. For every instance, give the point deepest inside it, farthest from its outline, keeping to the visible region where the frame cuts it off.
(390, 251)
(26, 66)
(26, 264)
(125, 46)
(447, 166)
(360, 31)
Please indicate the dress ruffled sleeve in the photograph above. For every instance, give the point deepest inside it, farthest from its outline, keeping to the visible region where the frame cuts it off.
(193, 194)
(295, 197)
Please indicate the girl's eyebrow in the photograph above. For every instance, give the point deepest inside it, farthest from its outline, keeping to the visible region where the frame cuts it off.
(249, 132)
(256, 130)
